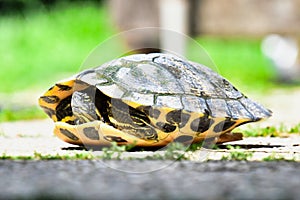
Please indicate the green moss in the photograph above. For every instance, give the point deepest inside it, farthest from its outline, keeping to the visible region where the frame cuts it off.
(174, 151)
(237, 154)
(40, 156)
(295, 129)
(277, 157)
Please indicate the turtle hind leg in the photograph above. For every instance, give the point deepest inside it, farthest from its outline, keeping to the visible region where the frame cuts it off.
(209, 143)
(229, 137)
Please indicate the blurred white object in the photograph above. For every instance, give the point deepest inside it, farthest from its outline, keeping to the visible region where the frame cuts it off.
(173, 16)
(283, 52)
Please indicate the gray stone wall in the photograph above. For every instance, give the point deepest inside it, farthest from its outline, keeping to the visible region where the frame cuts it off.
(220, 17)
(248, 17)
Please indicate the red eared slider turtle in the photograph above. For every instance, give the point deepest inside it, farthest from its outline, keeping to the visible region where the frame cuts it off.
(149, 100)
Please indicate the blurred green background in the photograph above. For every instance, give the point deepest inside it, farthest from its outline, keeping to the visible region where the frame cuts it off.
(45, 41)
(43, 44)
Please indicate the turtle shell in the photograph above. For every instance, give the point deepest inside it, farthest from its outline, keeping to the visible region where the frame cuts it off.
(149, 100)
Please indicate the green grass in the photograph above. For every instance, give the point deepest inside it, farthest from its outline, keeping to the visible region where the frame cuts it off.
(240, 60)
(270, 131)
(43, 46)
(26, 113)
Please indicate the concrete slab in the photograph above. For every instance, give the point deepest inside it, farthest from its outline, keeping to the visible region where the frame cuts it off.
(24, 138)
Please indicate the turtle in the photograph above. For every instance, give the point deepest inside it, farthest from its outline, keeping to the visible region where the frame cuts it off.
(148, 100)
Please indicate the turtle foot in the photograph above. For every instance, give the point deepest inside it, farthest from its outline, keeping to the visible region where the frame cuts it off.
(229, 137)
